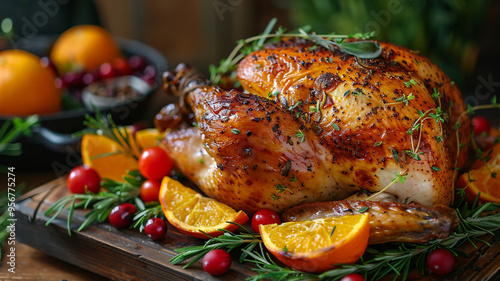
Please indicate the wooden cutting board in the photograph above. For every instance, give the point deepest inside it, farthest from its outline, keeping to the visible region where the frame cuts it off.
(130, 255)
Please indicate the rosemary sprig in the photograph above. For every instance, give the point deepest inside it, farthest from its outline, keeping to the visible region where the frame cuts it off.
(228, 241)
(100, 125)
(363, 49)
(152, 210)
(375, 264)
(101, 203)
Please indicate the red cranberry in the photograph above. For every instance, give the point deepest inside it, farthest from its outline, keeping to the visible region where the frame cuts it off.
(352, 277)
(122, 215)
(136, 63)
(480, 125)
(264, 216)
(73, 79)
(121, 66)
(155, 228)
(106, 71)
(217, 262)
(441, 261)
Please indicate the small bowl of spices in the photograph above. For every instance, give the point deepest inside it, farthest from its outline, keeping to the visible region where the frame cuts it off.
(114, 92)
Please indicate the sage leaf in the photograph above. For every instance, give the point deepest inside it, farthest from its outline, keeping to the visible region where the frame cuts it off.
(362, 50)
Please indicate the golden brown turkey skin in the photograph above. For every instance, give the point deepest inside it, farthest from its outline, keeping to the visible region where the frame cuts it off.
(389, 221)
(318, 125)
(361, 120)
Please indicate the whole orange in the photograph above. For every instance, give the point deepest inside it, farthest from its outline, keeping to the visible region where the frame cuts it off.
(83, 47)
(26, 87)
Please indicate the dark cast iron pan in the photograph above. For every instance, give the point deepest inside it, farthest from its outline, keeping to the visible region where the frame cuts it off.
(51, 145)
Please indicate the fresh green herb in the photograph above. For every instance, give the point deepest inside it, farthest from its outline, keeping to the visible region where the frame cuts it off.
(377, 262)
(493, 175)
(99, 125)
(363, 209)
(285, 249)
(280, 188)
(153, 210)
(293, 178)
(436, 169)
(409, 83)
(335, 127)
(379, 143)
(100, 203)
(11, 130)
(395, 155)
(275, 197)
(413, 154)
(200, 160)
(435, 95)
(333, 230)
(235, 131)
(295, 105)
(346, 93)
(313, 108)
(401, 177)
(363, 50)
(438, 116)
(404, 99)
(300, 135)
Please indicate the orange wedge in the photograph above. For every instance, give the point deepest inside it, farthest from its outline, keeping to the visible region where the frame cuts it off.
(316, 246)
(148, 138)
(107, 157)
(484, 178)
(191, 213)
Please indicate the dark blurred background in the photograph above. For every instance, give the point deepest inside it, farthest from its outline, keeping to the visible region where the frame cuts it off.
(462, 37)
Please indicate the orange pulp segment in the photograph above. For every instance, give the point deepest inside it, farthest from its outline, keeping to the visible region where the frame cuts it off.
(317, 245)
(190, 212)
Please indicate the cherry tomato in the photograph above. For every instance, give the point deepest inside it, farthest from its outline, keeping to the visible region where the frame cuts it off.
(82, 179)
(352, 277)
(480, 125)
(264, 216)
(155, 228)
(122, 215)
(154, 163)
(150, 189)
(441, 261)
(217, 262)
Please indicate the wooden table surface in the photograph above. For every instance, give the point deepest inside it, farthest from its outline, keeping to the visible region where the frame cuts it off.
(32, 264)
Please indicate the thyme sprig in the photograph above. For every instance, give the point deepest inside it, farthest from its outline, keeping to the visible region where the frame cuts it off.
(101, 203)
(363, 49)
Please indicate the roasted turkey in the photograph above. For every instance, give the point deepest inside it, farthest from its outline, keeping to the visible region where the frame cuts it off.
(311, 124)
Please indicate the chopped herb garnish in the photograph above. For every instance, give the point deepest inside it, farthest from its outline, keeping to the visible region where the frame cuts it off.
(301, 135)
(293, 178)
(363, 209)
(235, 131)
(409, 83)
(379, 143)
(347, 93)
(295, 105)
(333, 230)
(395, 155)
(436, 169)
(335, 126)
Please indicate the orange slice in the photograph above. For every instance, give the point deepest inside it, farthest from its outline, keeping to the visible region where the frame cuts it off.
(148, 138)
(190, 212)
(107, 157)
(316, 246)
(481, 179)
